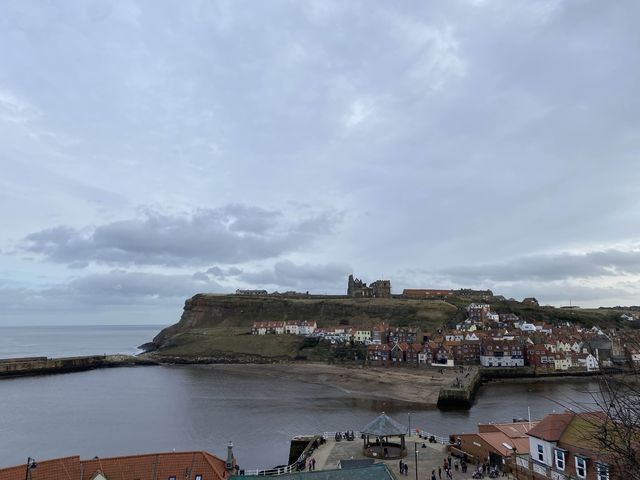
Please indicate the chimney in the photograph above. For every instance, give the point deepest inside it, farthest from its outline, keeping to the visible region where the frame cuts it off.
(229, 464)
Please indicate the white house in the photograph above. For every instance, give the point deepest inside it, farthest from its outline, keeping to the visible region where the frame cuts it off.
(527, 327)
(362, 336)
(292, 328)
(454, 336)
(307, 327)
(587, 361)
(562, 361)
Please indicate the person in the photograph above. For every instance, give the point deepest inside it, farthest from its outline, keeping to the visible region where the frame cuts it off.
(313, 464)
(386, 452)
(439, 473)
(433, 475)
(401, 466)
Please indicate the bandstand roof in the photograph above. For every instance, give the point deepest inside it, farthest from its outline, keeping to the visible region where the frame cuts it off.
(384, 426)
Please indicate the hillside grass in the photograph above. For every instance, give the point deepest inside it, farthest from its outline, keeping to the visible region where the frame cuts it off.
(229, 341)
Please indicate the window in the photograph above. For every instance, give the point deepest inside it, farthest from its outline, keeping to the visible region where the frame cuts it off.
(172, 478)
(581, 467)
(540, 453)
(559, 459)
(602, 470)
(198, 477)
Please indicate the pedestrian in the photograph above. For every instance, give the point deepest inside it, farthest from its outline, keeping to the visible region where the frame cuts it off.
(433, 475)
(401, 466)
(439, 473)
(449, 476)
(313, 464)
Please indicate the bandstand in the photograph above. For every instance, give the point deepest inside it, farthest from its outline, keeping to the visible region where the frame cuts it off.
(380, 438)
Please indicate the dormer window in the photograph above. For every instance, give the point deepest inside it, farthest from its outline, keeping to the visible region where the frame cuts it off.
(541, 453)
(581, 467)
(602, 471)
(560, 459)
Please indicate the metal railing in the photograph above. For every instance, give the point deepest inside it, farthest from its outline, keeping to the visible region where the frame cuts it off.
(300, 463)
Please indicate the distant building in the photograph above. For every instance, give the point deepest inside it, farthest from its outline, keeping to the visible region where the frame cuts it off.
(356, 288)
(425, 293)
(251, 292)
(471, 293)
(501, 353)
(531, 301)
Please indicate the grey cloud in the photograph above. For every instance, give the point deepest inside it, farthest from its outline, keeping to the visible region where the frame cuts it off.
(287, 274)
(230, 234)
(103, 290)
(549, 267)
(224, 272)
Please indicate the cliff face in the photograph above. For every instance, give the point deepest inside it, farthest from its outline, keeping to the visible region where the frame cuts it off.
(210, 311)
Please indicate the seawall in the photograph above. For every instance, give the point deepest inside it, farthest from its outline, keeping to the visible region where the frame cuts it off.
(460, 393)
(27, 366)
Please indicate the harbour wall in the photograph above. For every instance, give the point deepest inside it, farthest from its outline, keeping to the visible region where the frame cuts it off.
(27, 366)
(461, 393)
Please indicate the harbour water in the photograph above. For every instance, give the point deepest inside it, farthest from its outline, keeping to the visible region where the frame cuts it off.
(150, 409)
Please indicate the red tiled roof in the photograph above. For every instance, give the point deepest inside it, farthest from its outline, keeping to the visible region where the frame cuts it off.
(552, 426)
(153, 466)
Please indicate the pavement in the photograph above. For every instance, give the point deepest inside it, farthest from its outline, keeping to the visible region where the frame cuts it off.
(430, 457)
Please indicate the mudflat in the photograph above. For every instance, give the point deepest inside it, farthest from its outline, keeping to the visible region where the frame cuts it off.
(417, 386)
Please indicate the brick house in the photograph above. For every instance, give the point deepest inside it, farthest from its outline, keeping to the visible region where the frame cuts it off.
(378, 354)
(465, 352)
(402, 334)
(501, 353)
(562, 447)
(538, 356)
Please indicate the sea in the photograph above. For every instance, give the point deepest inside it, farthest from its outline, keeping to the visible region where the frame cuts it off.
(132, 410)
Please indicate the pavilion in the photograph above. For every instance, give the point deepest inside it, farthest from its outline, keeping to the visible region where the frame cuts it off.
(376, 438)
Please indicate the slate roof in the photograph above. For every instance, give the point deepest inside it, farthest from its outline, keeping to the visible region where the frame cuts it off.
(379, 471)
(384, 426)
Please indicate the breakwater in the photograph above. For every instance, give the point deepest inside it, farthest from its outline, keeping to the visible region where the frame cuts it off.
(461, 392)
(26, 366)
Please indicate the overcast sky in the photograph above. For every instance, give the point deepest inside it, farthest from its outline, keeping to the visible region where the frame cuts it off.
(151, 150)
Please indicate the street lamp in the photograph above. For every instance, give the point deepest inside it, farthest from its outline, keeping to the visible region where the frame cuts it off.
(409, 416)
(31, 464)
(415, 455)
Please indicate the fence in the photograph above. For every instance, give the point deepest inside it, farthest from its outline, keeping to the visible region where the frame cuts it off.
(300, 463)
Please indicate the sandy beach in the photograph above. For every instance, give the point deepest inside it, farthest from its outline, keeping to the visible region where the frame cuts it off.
(419, 387)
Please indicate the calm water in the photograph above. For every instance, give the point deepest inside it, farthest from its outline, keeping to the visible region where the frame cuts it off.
(64, 341)
(148, 409)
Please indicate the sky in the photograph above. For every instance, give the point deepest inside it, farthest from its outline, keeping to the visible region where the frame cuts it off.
(152, 150)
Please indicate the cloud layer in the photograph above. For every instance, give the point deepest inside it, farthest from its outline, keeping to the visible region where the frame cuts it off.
(277, 143)
(230, 234)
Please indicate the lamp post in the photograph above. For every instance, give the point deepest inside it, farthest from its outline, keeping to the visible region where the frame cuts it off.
(31, 464)
(409, 417)
(415, 457)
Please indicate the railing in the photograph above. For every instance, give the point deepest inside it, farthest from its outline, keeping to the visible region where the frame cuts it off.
(300, 463)
(426, 435)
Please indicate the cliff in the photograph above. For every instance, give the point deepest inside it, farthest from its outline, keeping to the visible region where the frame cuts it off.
(232, 316)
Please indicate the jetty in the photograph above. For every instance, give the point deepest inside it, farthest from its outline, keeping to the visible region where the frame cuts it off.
(28, 366)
